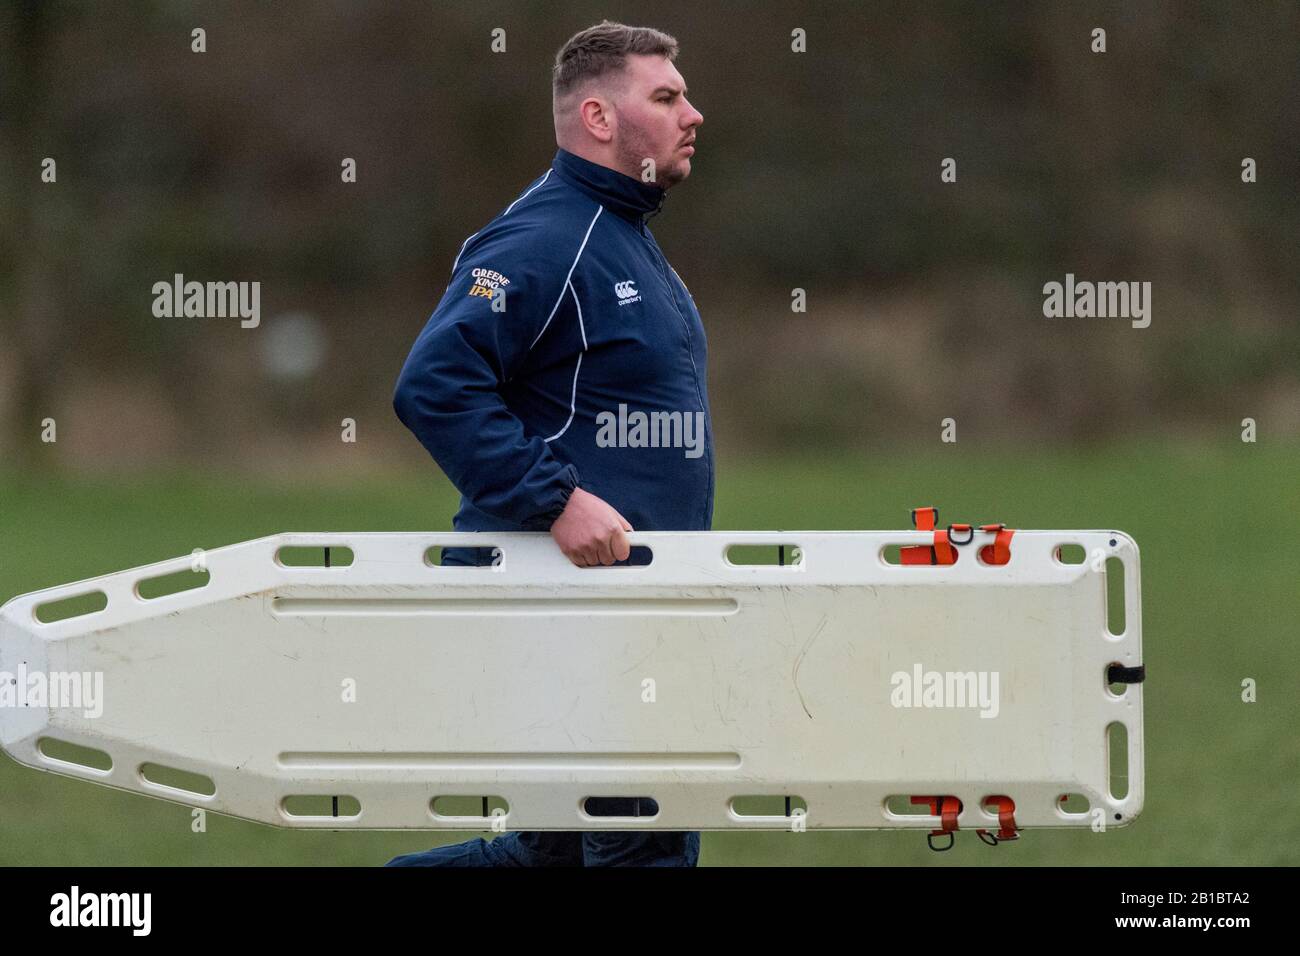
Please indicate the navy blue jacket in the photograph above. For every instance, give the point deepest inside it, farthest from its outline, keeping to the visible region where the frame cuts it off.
(566, 352)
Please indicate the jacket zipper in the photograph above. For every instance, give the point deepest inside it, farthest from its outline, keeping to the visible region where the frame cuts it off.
(672, 294)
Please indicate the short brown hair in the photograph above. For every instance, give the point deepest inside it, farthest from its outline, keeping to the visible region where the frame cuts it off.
(602, 48)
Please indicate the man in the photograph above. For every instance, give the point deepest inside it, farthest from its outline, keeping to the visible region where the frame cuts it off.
(563, 317)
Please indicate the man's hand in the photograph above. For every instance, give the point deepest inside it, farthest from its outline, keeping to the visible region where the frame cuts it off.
(590, 532)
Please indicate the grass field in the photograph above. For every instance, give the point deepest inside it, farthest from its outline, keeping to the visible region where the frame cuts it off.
(1217, 526)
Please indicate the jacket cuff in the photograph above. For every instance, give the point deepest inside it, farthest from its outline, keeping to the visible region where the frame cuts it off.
(565, 483)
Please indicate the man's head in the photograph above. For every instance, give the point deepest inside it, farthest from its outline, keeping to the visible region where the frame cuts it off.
(620, 102)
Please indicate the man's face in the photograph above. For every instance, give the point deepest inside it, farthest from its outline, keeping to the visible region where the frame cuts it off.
(655, 121)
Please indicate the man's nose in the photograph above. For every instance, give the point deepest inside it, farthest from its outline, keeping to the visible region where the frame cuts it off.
(693, 116)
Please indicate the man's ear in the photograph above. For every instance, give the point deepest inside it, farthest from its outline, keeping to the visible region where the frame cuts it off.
(598, 118)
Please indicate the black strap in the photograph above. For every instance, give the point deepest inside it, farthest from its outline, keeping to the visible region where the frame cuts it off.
(1119, 674)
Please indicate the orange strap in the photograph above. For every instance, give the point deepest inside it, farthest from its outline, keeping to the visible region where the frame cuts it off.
(944, 552)
(941, 552)
(999, 552)
(947, 540)
(1007, 829)
(946, 809)
(924, 518)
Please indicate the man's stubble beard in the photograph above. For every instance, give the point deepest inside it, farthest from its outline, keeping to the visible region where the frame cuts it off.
(634, 150)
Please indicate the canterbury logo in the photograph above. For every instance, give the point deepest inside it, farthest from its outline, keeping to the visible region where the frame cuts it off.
(627, 292)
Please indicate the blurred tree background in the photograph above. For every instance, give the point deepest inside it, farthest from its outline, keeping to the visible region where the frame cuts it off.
(816, 170)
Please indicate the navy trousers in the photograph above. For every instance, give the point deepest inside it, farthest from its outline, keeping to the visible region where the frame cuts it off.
(594, 848)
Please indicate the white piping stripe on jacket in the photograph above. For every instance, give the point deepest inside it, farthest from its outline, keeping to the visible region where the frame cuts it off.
(565, 287)
(573, 398)
(526, 194)
(581, 327)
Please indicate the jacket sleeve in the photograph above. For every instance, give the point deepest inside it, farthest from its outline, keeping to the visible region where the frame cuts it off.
(448, 393)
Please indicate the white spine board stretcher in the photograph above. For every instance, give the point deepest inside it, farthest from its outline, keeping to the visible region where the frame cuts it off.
(691, 681)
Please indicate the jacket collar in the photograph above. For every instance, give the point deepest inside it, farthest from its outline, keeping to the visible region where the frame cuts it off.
(618, 192)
